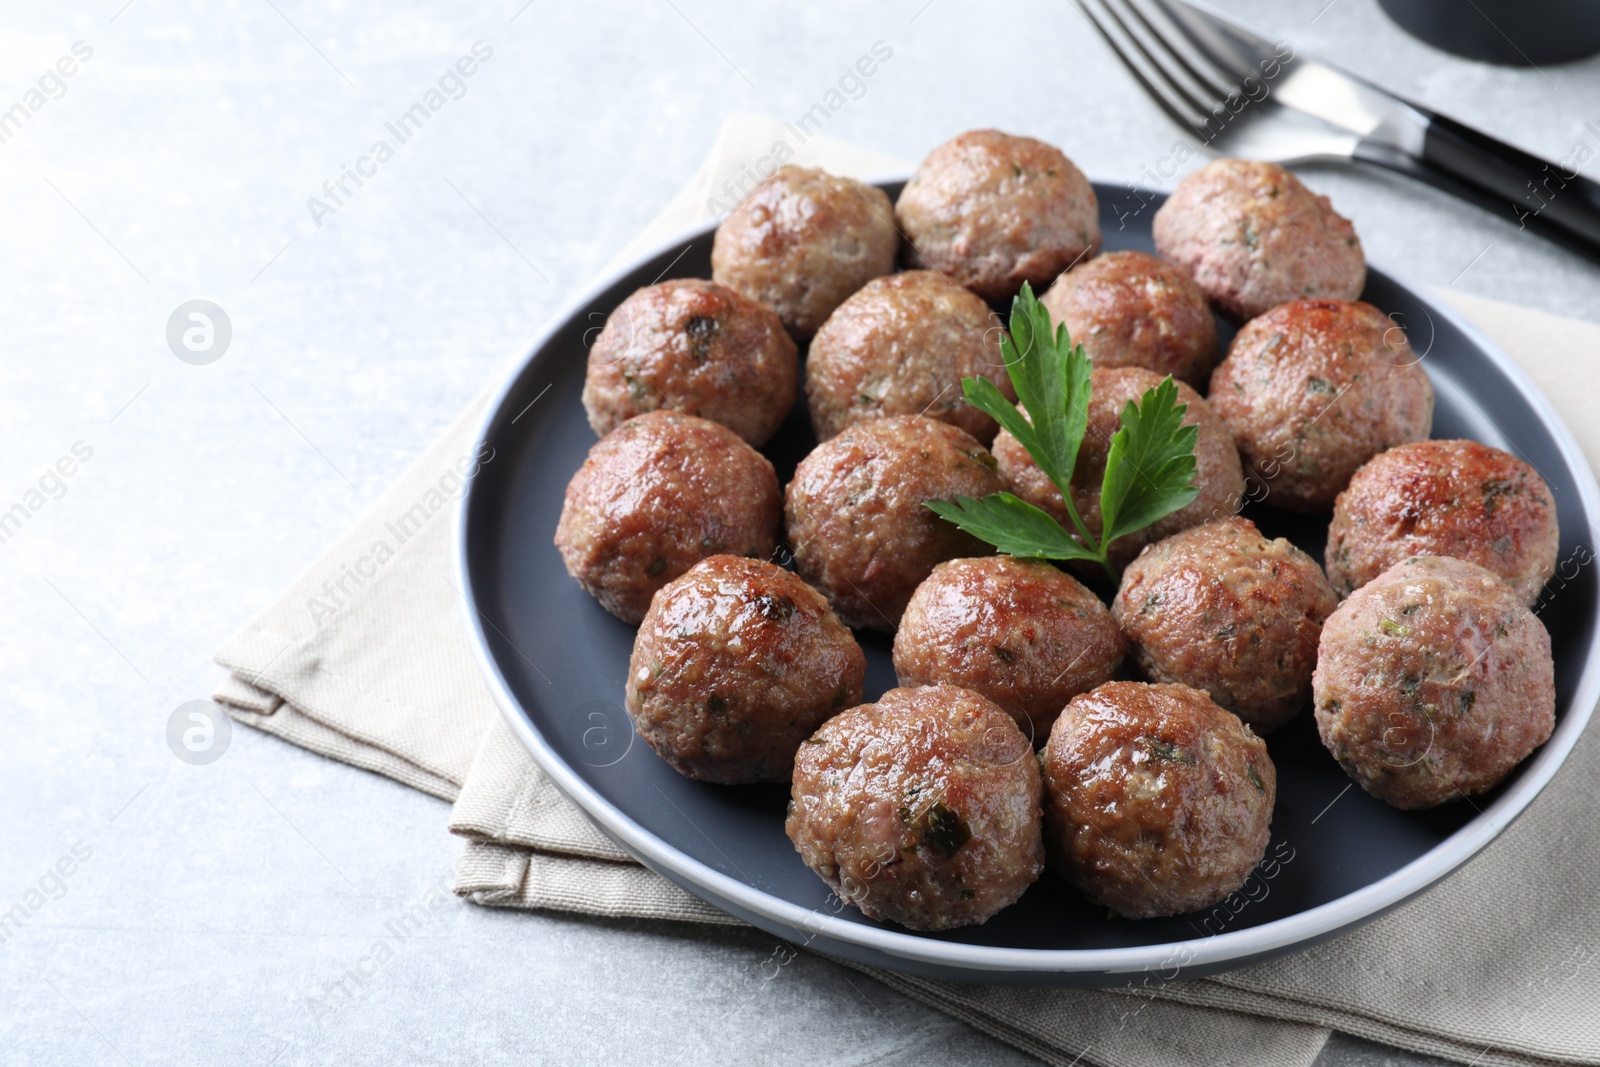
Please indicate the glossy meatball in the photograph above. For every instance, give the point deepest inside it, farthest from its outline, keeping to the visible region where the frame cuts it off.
(1129, 309)
(802, 241)
(1312, 390)
(1220, 608)
(1157, 802)
(1253, 237)
(735, 664)
(921, 809)
(1445, 498)
(1433, 682)
(856, 515)
(901, 346)
(1218, 473)
(992, 210)
(657, 495)
(696, 347)
(1020, 632)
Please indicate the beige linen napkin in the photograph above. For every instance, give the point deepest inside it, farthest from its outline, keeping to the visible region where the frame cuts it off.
(369, 663)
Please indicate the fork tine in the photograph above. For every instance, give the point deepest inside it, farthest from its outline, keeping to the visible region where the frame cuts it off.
(1206, 41)
(1168, 96)
(1177, 37)
(1202, 97)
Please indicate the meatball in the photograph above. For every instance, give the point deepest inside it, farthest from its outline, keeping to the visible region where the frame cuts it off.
(1253, 237)
(735, 664)
(921, 809)
(802, 241)
(1218, 473)
(992, 210)
(1129, 309)
(857, 518)
(1445, 498)
(1432, 682)
(1219, 607)
(657, 495)
(1158, 802)
(1018, 631)
(696, 347)
(1312, 390)
(901, 346)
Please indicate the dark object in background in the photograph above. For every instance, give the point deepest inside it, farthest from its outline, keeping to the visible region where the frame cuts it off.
(1515, 33)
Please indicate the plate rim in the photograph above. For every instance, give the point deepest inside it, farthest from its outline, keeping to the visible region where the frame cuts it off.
(1213, 952)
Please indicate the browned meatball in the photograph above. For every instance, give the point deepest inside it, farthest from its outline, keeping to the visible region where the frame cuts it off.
(657, 495)
(735, 664)
(857, 517)
(1433, 682)
(901, 346)
(1312, 390)
(1020, 632)
(1254, 237)
(1220, 608)
(1445, 498)
(1129, 309)
(921, 809)
(1218, 473)
(992, 210)
(696, 347)
(1157, 801)
(802, 241)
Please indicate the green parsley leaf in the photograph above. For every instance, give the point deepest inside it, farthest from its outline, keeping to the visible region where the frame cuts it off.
(1168, 751)
(1012, 525)
(942, 830)
(1051, 377)
(1150, 468)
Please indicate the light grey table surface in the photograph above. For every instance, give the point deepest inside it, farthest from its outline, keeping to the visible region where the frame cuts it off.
(176, 163)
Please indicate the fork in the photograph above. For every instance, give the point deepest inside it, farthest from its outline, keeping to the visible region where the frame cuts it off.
(1244, 95)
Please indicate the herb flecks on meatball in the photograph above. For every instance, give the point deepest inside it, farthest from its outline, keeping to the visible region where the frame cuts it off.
(1130, 309)
(992, 210)
(1445, 498)
(901, 346)
(657, 495)
(695, 347)
(1254, 237)
(1433, 681)
(803, 241)
(1221, 608)
(735, 664)
(1021, 632)
(856, 516)
(920, 809)
(1158, 802)
(1312, 390)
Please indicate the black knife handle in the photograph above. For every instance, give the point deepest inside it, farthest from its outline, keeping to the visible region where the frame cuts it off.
(1533, 193)
(1390, 158)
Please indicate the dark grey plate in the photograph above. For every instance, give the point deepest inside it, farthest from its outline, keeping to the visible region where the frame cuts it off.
(1338, 858)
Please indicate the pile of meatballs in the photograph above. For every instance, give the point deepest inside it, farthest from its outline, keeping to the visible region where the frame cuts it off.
(1115, 735)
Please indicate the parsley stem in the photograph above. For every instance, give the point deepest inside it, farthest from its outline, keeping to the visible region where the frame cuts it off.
(1084, 537)
(1101, 551)
(1111, 572)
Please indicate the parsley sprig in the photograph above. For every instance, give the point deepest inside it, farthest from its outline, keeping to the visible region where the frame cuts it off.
(1150, 466)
